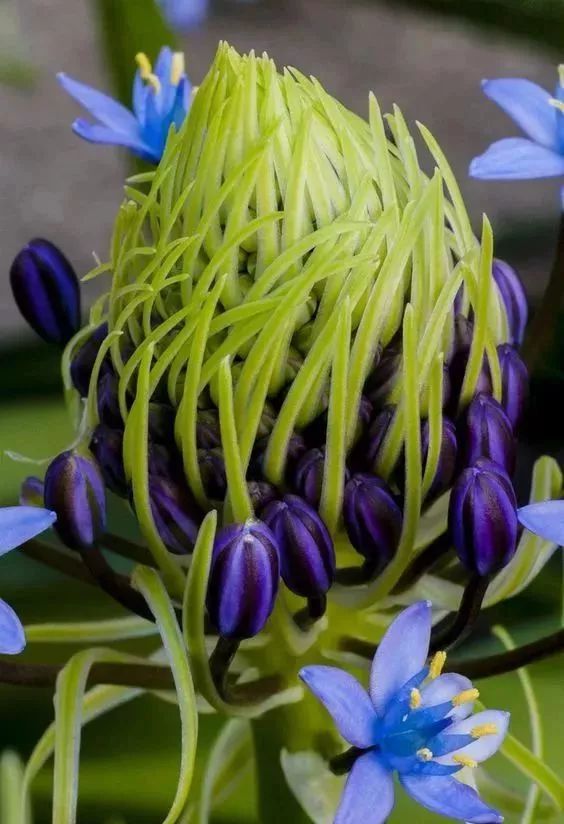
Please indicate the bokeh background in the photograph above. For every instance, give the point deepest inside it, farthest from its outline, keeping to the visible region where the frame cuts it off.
(429, 57)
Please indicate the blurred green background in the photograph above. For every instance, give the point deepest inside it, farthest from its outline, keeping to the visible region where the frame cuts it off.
(429, 56)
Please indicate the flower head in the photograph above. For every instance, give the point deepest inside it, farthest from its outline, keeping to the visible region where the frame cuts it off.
(18, 524)
(414, 721)
(541, 117)
(161, 99)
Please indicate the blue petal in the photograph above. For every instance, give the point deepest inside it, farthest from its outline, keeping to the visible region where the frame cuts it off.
(447, 796)
(101, 134)
(401, 654)
(545, 519)
(19, 524)
(517, 159)
(140, 92)
(480, 749)
(528, 105)
(12, 636)
(368, 796)
(163, 66)
(346, 701)
(444, 688)
(185, 14)
(104, 108)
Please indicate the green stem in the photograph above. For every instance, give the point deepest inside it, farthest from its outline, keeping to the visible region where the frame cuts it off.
(541, 330)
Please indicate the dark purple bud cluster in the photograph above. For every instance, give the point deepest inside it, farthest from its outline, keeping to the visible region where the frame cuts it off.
(373, 519)
(46, 290)
(74, 489)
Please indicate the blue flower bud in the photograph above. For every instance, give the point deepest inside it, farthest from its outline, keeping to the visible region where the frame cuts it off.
(82, 362)
(308, 475)
(46, 290)
(108, 400)
(175, 512)
(373, 519)
(376, 436)
(483, 519)
(446, 466)
(513, 296)
(212, 470)
(31, 492)
(261, 494)
(74, 489)
(107, 447)
(243, 580)
(207, 430)
(514, 382)
(161, 423)
(486, 432)
(307, 554)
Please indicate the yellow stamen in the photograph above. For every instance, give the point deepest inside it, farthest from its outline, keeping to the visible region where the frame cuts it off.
(424, 755)
(465, 697)
(177, 68)
(415, 699)
(147, 71)
(558, 104)
(437, 665)
(484, 729)
(464, 761)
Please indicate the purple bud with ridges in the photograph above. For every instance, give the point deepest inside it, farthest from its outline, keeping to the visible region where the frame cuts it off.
(244, 579)
(514, 299)
(307, 554)
(175, 512)
(46, 290)
(107, 447)
(446, 466)
(308, 476)
(486, 432)
(108, 400)
(494, 468)
(74, 489)
(384, 375)
(463, 334)
(212, 471)
(514, 383)
(373, 519)
(83, 359)
(261, 494)
(483, 520)
(31, 492)
(376, 435)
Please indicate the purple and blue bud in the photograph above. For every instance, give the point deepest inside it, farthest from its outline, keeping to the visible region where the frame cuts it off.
(244, 579)
(373, 519)
(447, 463)
(46, 290)
(307, 554)
(261, 494)
(175, 512)
(514, 299)
(106, 445)
(74, 490)
(108, 400)
(212, 471)
(486, 432)
(483, 518)
(514, 384)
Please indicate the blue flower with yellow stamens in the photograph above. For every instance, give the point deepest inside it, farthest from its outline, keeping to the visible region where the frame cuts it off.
(415, 721)
(18, 524)
(161, 99)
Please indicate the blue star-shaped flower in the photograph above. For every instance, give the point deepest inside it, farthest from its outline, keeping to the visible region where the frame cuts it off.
(414, 721)
(18, 524)
(160, 99)
(541, 117)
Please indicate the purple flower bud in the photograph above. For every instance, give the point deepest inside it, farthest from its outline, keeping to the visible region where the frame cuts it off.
(296, 448)
(108, 400)
(365, 415)
(487, 433)
(82, 362)
(244, 579)
(207, 430)
(307, 554)
(514, 382)
(377, 434)
(373, 519)
(31, 492)
(161, 423)
(261, 494)
(446, 466)
(74, 489)
(175, 512)
(165, 461)
(107, 447)
(513, 296)
(308, 476)
(212, 470)
(494, 468)
(384, 375)
(483, 520)
(46, 290)
(463, 333)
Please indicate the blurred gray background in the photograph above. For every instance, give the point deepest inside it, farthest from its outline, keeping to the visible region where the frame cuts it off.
(54, 185)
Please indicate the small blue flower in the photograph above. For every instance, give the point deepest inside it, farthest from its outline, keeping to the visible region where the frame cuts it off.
(413, 721)
(160, 99)
(545, 519)
(18, 524)
(540, 116)
(184, 15)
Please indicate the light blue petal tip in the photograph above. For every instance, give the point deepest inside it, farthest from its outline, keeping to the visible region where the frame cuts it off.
(12, 635)
(19, 524)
